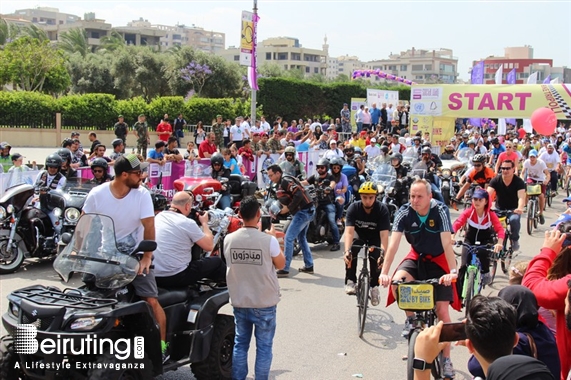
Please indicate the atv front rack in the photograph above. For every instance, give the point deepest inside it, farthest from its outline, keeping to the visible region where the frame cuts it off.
(68, 297)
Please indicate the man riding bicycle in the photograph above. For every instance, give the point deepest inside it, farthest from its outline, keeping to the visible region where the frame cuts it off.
(367, 223)
(480, 175)
(536, 171)
(426, 225)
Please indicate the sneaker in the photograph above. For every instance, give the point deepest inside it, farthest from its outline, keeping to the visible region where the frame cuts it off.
(339, 223)
(350, 287)
(306, 270)
(408, 326)
(282, 273)
(165, 352)
(541, 219)
(448, 369)
(515, 245)
(335, 247)
(375, 296)
(486, 278)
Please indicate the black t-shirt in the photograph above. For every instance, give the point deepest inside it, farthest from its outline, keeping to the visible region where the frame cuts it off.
(322, 183)
(174, 151)
(368, 226)
(506, 196)
(121, 130)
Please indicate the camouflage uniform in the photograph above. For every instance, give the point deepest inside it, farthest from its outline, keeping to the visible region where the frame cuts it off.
(257, 146)
(274, 145)
(218, 130)
(142, 142)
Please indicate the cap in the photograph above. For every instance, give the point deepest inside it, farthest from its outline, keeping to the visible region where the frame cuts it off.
(73, 134)
(568, 199)
(332, 142)
(533, 153)
(116, 142)
(16, 156)
(363, 133)
(217, 116)
(345, 104)
(120, 117)
(256, 133)
(5, 144)
(373, 140)
(128, 162)
(550, 146)
(480, 194)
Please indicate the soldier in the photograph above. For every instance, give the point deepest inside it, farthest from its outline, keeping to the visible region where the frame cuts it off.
(218, 129)
(274, 144)
(142, 134)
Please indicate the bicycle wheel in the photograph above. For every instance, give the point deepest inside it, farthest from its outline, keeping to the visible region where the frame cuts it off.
(437, 366)
(549, 195)
(493, 267)
(530, 216)
(567, 184)
(470, 285)
(410, 358)
(362, 301)
(536, 214)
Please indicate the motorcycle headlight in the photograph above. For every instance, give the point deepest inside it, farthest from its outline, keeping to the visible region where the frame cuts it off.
(2, 212)
(198, 198)
(380, 188)
(57, 212)
(84, 324)
(454, 174)
(72, 215)
(15, 310)
(10, 209)
(446, 174)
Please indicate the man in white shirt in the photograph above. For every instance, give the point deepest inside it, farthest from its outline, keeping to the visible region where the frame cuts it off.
(245, 124)
(359, 118)
(536, 172)
(176, 235)
(390, 112)
(264, 124)
(372, 150)
(237, 133)
(551, 159)
(333, 151)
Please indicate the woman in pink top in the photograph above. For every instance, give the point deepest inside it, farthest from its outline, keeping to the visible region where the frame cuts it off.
(367, 118)
(509, 154)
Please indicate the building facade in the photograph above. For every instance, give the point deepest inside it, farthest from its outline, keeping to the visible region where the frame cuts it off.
(182, 35)
(287, 53)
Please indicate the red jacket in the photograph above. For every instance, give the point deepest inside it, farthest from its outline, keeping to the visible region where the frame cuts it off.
(246, 153)
(551, 295)
(490, 220)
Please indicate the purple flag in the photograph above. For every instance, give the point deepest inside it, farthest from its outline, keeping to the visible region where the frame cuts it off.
(547, 80)
(511, 80)
(477, 77)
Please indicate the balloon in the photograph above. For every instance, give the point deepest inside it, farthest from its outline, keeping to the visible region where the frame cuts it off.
(544, 121)
(391, 76)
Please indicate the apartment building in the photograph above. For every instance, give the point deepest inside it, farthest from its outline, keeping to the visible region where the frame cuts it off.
(182, 35)
(286, 52)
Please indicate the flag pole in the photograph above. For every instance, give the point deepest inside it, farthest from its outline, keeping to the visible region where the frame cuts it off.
(255, 69)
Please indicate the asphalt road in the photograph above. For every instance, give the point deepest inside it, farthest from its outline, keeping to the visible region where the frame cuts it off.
(316, 335)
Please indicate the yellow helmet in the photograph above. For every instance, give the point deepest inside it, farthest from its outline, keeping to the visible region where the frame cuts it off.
(368, 188)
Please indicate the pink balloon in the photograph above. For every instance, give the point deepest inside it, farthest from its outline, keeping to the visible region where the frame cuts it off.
(544, 121)
(383, 74)
(391, 77)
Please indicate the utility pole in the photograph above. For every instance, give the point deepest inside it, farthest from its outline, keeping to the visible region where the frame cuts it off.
(253, 97)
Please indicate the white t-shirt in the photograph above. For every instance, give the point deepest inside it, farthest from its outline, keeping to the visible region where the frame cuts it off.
(372, 151)
(333, 153)
(265, 126)
(126, 213)
(313, 125)
(237, 133)
(535, 172)
(175, 236)
(551, 160)
(246, 128)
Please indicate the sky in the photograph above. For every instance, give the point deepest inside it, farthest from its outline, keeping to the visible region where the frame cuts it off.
(367, 29)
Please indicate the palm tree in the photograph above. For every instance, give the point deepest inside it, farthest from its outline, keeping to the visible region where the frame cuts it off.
(35, 32)
(112, 42)
(8, 32)
(75, 41)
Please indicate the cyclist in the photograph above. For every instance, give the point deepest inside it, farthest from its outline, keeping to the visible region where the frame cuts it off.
(495, 151)
(483, 225)
(509, 154)
(430, 166)
(426, 224)
(536, 172)
(367, 222)
(552, 160)
(480, 175)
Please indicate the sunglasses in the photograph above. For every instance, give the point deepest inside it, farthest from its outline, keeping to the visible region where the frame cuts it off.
(136, 172)
(478, 166)
(97, 170)
(321, 167)
(506, 168)
(289, 155)
(216, 164)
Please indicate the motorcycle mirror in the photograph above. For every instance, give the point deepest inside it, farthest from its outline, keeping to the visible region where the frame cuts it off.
(66, 237)
(223, 180)
(146, 246)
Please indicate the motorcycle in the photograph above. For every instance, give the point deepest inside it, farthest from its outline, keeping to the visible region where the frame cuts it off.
(207, 191)
(449, 179)
(75, 192)
(26, 231)
(319, 230)
(385, 176)
(106, 308)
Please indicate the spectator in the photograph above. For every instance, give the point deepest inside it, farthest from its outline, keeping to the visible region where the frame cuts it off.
(157, 155)
(372, 151)
(100, 153)
(230, 162)
(164, 129)
(333, 151)
(367, 120)
(218, 129)
(141, 131)
(375, 114)
(237, 132)
(547, 276)
(171, 152)
(191, 152)
(246, 151)
(121, 130)
(199, 134)
(179, 126)
(345, 114)
(118, 149)
(15, 173)
(254, 290)
(359, 118)
(226, 133)
(208, 147)
(94, 142)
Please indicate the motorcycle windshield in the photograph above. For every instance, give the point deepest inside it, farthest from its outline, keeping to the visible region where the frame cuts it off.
(410, 156)
(79, 184)
(93, 250)
(465, 155)
(419, 170)
(197, 170)
(385, 175)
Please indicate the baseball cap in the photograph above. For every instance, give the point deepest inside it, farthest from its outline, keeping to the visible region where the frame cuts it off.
(5, 144)
(127, 163)
(373, 140)
(121, 116)
(332, 142)
(16, 156)
(533, 153)
(480, 194)
(116, 142)
(568, 199)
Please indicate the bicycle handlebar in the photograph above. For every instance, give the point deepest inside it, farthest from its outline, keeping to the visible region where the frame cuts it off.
(460, 243)
(433, 281)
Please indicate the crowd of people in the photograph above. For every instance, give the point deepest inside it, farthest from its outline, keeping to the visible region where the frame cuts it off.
(501, 166)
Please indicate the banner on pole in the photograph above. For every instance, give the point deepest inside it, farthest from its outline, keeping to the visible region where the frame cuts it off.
(247, 39)
(381, 96)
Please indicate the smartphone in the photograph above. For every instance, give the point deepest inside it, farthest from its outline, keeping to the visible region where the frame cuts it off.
(452, 332)
(266, 222)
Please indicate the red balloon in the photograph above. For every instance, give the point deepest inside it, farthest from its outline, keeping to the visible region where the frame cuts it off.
(544, 121)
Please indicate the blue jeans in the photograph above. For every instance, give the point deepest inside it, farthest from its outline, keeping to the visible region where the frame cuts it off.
(225, 201)
(298, 229)
(515, 226)
(339, 209)
(330, 209)
(179, 134)
(264, 319)
(437, 193)
(359, 126)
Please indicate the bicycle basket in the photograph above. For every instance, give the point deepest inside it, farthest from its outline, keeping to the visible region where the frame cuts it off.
(415, 297)
(533, 189)
(503, 221)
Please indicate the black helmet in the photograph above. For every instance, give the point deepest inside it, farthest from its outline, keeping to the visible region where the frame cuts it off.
(396, 156)
(159, 202)
(53, 161)
(349, 148)
(385, 149)
(67, 142)
(479, 158)
(416, 138)
(426, 150)
(99, 163)
(336, 161)
(65, 154)
(426, 144)
(495, 140)
(465, 135)
(216, 158)
(323, 162)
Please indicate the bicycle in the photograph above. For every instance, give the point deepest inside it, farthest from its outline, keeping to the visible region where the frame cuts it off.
(418, 296)
(533, 191)
(362, 285)
(506, 254)
(473, 278)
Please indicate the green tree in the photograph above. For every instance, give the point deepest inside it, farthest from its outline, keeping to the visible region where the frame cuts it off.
(75, 41)
(29, 62)
(35, 32)
(112, 42)
(342, 78)
(8, 32)
(93, 74)
(270, 70)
